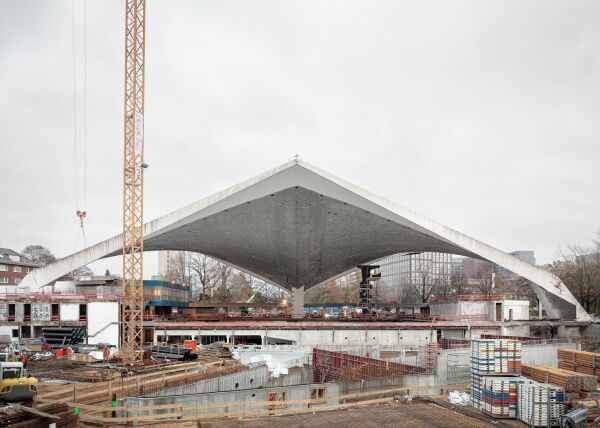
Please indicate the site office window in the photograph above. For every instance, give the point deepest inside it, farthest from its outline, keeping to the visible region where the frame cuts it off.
(3, 268)
(3, 280)
(17, 269)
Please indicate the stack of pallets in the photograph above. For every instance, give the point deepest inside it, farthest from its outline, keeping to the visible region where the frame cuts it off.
(500, 395)
(495, 370)
(569, 380)
(579, 361)
(496, 357)
(540, 404)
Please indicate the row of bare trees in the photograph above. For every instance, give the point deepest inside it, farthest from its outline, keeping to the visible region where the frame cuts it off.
(579, 270)
(212, 280)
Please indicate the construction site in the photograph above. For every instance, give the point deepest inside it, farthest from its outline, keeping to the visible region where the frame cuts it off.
(86, 350)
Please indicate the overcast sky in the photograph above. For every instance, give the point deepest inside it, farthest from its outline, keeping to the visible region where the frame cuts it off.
(483, 115)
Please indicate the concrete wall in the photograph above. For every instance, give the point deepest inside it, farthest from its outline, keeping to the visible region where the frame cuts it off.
(69, 311)
(316, 337)
(459, 308)
(103, 323)
(453, 365)
(520, 310)
(544, 354)
(253, 378)
(294, 392)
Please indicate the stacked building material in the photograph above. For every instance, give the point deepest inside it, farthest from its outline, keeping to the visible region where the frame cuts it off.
(477, 391)
(500, 394)
(540, 404)
(61, 336)
(172, 353)
(496, 357)
(494, 364)
(579, 361)
(569, 380)
(593, 410)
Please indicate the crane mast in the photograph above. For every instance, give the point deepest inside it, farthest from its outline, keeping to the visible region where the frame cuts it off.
(132, 302)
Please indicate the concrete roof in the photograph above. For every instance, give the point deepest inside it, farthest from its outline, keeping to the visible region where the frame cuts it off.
(297, 226)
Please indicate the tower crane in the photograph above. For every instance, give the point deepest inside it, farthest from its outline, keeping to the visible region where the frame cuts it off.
(132, 302)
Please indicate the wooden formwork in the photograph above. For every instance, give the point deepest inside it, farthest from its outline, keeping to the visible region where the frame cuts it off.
(107, 391)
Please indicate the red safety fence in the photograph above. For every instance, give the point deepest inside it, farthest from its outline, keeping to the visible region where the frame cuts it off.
(331, 366)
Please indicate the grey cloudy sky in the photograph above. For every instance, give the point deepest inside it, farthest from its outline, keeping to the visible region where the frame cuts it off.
(480, 114)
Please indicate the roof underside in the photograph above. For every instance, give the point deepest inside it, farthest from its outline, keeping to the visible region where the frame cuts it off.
(297, 237)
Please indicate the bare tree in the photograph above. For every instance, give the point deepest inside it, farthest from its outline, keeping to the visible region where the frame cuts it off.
(206, 273)
(458, 284)
(38, 254)
(579, 269)
(83, 271)
(424, 281)
(485, 281)
(180, 270)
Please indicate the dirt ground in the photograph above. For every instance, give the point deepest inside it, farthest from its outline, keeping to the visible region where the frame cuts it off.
(418, 414)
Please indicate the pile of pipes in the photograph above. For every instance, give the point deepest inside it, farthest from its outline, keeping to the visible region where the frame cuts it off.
(172, 353)
(579, 361)
(540, 404)
(569, 380)
(61, 336)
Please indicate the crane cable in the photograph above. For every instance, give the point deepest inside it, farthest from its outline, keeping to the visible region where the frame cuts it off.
(81, 214)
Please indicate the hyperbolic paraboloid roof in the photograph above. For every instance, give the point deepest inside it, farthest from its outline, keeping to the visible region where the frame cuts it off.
(297, 226)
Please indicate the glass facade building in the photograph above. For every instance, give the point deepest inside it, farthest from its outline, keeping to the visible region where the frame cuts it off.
(402, 273)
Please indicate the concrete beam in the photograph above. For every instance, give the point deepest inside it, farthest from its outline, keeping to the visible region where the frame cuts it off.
(297, 225)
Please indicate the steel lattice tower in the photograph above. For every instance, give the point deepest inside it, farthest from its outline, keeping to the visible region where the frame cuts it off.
(132, 304)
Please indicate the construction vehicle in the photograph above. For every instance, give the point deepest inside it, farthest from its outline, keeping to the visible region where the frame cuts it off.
(15, 385)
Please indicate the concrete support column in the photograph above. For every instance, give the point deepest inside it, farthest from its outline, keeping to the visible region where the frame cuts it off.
(298, 302)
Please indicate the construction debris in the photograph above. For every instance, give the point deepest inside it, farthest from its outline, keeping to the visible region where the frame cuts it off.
(59, 414)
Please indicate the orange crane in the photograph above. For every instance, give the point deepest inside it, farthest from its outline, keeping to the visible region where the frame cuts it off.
(132, 302)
